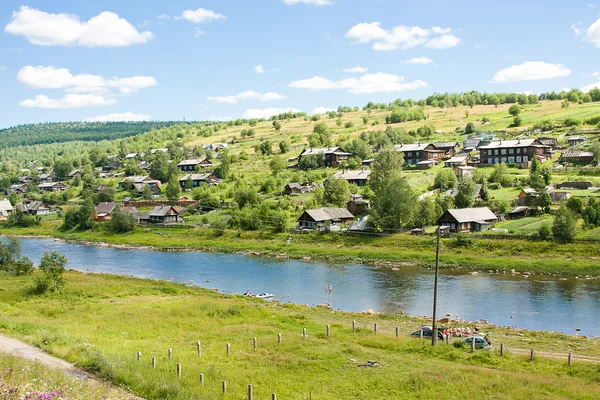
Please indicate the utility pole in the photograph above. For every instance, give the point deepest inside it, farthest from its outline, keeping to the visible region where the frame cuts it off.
(434, 336)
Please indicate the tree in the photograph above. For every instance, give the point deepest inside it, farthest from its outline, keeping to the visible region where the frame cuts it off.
(500, 175)
(11, 259)
(426, 213)
(546, 202)
(465, 196)
(266, 147)
(514, 110)
(470, 128)
(146, 192)
(495, 101)
(393, 204)
(596, 151)
(189, 183)
(445, 179)
(337, 191)
(277, 164)
(277, 125)
(160, 167)
(386, 165)
(62, 168)
(244, 195)
(284, 146)
(591, 213)
(517, 121)
(52, 266)
(564, 228)
(223, 170)
(173, 190)
(121, 222)
(575, 204)
(105, 194)
(312, 161)
(86, 214)
(544, 232)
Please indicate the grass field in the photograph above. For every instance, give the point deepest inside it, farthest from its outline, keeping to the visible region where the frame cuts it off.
(100, 322)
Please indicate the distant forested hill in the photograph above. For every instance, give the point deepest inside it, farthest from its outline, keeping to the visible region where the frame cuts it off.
(25, 135)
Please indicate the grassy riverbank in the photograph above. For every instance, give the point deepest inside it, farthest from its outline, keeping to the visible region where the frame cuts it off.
(100, 322)
(494, 254)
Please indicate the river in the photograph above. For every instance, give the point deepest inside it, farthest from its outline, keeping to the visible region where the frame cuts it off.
(537, 302)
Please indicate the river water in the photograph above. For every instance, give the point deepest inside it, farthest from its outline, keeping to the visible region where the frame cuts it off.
(537, 302)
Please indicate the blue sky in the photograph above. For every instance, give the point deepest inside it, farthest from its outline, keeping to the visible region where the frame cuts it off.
(138, 59)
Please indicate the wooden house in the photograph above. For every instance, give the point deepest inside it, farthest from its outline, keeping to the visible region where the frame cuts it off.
(293, 189)
(192, 165)
(358, 178)
(575, 140)
(5, 209)
(519, 151)
(334, 156)
(52, 186)
(450, 149)
(130, 180)
(423, 155)
(577, 156)
(457, 161)
(199, 179)
(322, 216)
(519, 212)
(358, 205)
(164, 214)
(468, 219)
(35, 207)
(104, 211)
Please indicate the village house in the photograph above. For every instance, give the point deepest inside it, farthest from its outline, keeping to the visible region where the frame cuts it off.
(471, 144)
(575, 140)
(519, 212)
(155, 187)
(104, 211)
(74, 173)
(358, 205)
(423, 155)
(145, 165)
(334, 156)
(577, 156)
(293, 189)
(549, 141)
(467, 172)
(519, 151)
(164, 150)
(52, 186)
(358, 178)
(131, 156)
(449, 148)
(34, 207)
(457, 161)
(130, 180)
(164, 214)
(191, 165)
(530, 197)
(18, 189)
(323, 216)
(140, 217)
(46, 177)
(5, 209)
(468, 219)
(198, 179)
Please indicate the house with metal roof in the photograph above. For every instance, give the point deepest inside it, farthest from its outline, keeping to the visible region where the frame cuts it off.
(5, 209)
(577, 156)
(193, 164)
(512, 151)
(359, 178)
(164, 214)
(104, 211)
(52, 186)
(423, 155)
(457, 161)
(34, 207)
(334, 156)
(199, 179)
(322, 216)
(449, 148)
(468, 219)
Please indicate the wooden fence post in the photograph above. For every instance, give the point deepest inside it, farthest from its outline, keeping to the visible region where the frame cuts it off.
(421, 334)
(328, 331)
(153, 362)
(375, 328)
(531, 355)
(139, 355)
(273, 396)
(304, 333)
(199, 347)
(502, 349)
(448, 338)
(397, 331)
(570, 358)
(202, 380)
(224, 387)
(170, 354)
(249, 392)
(473, 343)
(228, 348)
(178, 370)
(255, 344)
(353, 326)
(279, 338)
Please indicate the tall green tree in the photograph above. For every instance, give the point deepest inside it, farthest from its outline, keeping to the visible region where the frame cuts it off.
(173, 190)
(445, 179)
(564, 227)
(386, 166)
(337, 192)
(277, 164)
(393, 204)
(465, 196)
(52, 266)
(514, 110)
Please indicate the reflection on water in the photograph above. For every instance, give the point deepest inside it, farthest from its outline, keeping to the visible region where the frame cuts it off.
(534, 303)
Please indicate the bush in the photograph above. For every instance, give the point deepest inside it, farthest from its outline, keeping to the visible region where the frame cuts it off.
(517, 121)
(569, 122)
(544, 232)
(470, 128)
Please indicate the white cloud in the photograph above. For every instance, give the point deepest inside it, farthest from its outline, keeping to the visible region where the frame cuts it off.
(526, 92)
(266, 112)
(215, 118)
(199, 32)
(247, 95)
(531, 71)
(164, 16)
(259, 69)
(356, 70)
(41, 77)
(127, 116)
(402, 37)
(315, 2)
(70, 100)
(200, 16)
(368, 83)
(419, 61)
(595, 74)
(577, 30)
(592, 34)
(591, 86)
(106, 29)
(322, 110)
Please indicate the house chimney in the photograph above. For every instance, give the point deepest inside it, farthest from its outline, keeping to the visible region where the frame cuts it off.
(418, 142)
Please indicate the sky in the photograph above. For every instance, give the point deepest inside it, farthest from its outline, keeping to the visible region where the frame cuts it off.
(103, 60)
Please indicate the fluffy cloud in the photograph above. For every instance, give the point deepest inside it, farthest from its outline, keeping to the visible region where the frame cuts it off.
(217, 118)
(322, 110)
(592, 34)
(356, 70)
(106, 29)
(419, 61)
(259, 69)
(200, 16)
(266, 112)
(127, 116)
(366, 84)
(315, 2)
(41, 77)
(247, 95)
(531, 71)
(591, 86)
(68, 101)
(402, 37)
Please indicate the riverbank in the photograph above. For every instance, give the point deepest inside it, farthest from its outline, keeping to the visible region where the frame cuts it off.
(394, 251)
(100, 322)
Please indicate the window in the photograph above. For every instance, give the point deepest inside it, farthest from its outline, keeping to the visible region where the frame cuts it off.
(496, 152)
(503, 159)
(511, 159)
(518, 158)
(503, 151)
(490, 160)
(511, 151)
(525, 159)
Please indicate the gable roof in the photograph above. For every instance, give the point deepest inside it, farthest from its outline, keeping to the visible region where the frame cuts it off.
(161, 211)
(472, 142)
(329, 214)
(577, 153)
(209, 176)
(325, 150)
(5, 205)
(472, 214)
(508, 144)
(416, 147)
(353, 175)
(136, 178)
(192, 162)
(106, 208)
(445, 144)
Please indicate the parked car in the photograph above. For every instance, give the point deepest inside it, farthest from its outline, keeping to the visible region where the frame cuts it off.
(481, 342)
(428, 332)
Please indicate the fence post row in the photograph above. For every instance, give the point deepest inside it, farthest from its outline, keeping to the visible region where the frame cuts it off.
(170, 354)
(570, 358)
(353, 326)
(199, 346)
(178, 370)
(328, 331)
